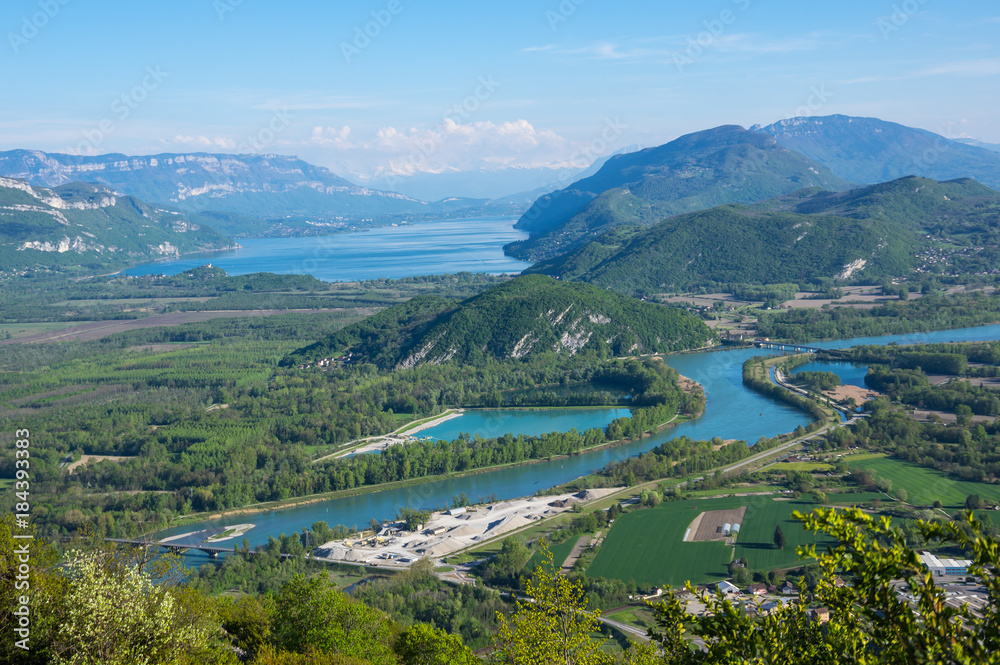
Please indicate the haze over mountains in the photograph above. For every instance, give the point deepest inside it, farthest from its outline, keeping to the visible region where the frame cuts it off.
(263, 186)
(575, 230)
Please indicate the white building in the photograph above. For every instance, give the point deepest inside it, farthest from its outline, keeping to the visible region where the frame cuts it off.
(942, 567)
(728, 588)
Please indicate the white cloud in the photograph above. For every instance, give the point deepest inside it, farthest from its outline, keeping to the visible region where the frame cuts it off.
(332, 137)
(217, 142)
(450, 146)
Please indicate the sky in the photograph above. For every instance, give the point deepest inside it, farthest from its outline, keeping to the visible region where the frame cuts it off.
(370, 88)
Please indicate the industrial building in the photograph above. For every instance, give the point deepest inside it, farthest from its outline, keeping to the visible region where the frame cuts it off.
(942, 567)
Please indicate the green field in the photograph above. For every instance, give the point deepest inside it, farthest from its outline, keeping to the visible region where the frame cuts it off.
(646, 546)
(756, 539)
(559, 554)
(925, 485)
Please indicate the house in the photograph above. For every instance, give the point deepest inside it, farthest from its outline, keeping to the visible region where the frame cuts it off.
(757, 589)
(727, 588)
(789, 589)
(767, 608)
(821, 615)
(838, 581)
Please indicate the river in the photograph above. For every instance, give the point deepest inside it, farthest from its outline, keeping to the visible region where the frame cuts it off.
(732, 412)
(425, 248)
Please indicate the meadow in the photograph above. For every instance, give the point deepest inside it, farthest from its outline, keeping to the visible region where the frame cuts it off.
(924, 485)
(646, 546)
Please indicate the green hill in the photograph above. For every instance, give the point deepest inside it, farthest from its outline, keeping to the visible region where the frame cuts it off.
(723, 165)
(90, 226)
(887, 230)
(526, 316)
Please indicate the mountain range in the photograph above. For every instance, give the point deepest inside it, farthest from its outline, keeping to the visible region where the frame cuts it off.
(727, 164)
(237, 187)
(869, 150)
(887, 230)
(92, 226)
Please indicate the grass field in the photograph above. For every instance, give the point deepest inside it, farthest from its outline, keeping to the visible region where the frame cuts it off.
(756, 539)
(924, 485)
(646, 546)
(559, 554)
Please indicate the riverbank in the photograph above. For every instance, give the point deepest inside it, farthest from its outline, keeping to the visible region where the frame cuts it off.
(401, 436)
(296, 502)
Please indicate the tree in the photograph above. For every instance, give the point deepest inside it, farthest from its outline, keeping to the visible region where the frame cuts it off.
(115, 614)
(312, 614)
(868, 624)
(553, 624)
(779, 538)
(425, 645)
(973, 502)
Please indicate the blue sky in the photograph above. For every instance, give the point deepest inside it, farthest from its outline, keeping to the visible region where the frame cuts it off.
(460, 85)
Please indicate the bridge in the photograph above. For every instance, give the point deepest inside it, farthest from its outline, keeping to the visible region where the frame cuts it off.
(211, 550)
(795, 348)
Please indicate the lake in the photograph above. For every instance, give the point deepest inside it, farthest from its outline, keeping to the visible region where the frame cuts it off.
(732, 412)
(427, 248)
(490, 423)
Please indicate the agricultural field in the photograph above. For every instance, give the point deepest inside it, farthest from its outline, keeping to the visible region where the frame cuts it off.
(756, 539)
(559, 554)
(923, 485)
(647, 546)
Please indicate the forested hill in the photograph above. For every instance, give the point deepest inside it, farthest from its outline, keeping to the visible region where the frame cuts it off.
(87, 225)
(723, 165)
(528, 315)
(886, 230)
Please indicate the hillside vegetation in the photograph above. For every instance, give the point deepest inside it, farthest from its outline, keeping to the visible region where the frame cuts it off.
(528, 315)
(90, 226)
(723, 165)
(888, 230)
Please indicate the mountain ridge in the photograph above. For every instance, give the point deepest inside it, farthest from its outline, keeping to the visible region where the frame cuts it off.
(726, 164)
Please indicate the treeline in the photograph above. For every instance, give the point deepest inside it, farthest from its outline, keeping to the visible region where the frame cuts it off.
(261, 446)
(932, 312)
(755, 368)
(815, 381)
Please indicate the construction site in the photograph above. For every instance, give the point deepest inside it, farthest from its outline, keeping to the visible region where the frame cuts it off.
(448, 532)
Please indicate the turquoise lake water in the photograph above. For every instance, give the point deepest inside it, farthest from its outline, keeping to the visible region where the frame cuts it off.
(427, 248)
(489, 423)
(732, 412)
